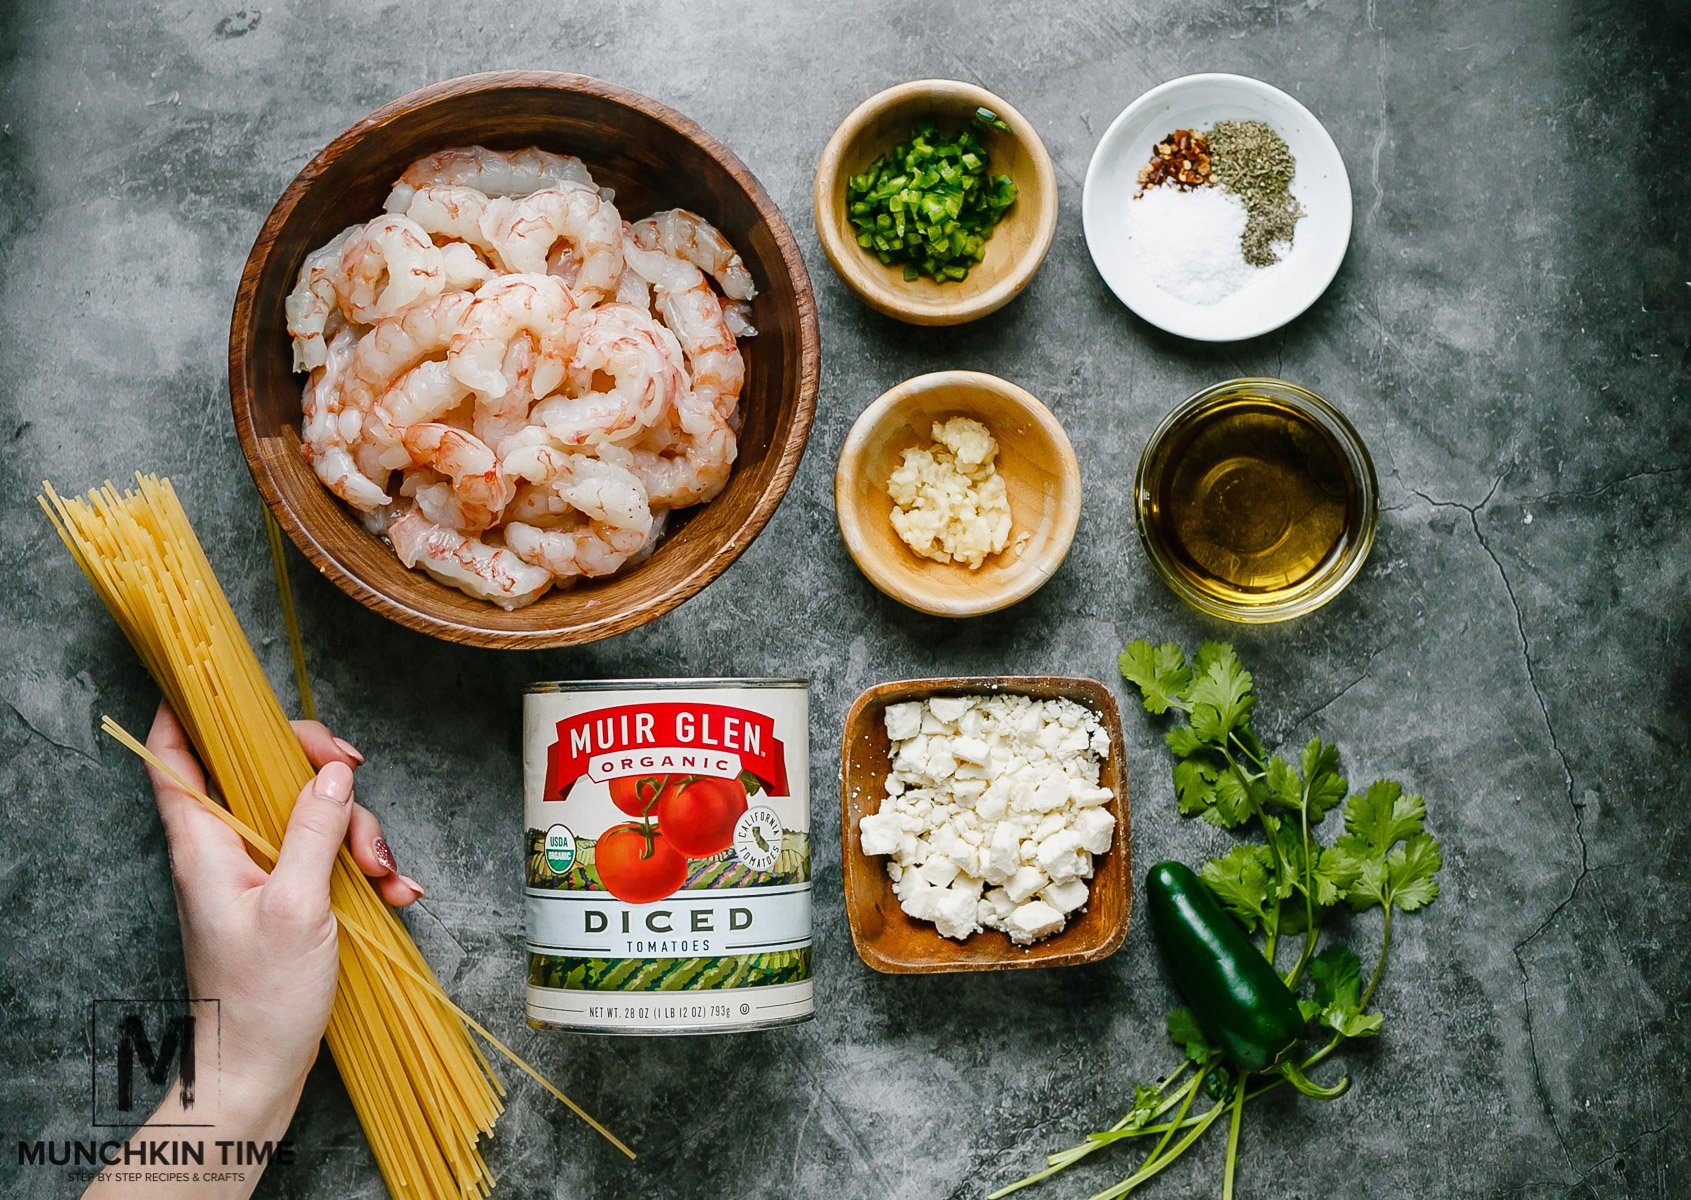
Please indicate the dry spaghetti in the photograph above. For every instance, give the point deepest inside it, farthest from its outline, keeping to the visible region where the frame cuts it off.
(426, 1108)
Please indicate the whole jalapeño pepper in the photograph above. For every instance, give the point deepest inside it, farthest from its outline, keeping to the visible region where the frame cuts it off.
(1238, 998)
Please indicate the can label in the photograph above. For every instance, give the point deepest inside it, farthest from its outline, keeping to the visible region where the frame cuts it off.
(668, 856)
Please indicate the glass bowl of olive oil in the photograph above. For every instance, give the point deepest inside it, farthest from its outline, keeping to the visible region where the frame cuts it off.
(1256, 500)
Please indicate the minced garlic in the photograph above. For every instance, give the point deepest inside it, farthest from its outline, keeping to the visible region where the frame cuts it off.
(949, 502)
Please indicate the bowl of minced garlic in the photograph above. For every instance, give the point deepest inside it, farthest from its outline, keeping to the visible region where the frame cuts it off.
(957, 493)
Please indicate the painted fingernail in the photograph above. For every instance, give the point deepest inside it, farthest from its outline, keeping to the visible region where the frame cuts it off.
(413, 885)
(334, 782)
(384, 855)
(351, 751)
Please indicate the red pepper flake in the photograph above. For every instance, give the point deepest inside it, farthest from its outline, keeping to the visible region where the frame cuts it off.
(1182, 158)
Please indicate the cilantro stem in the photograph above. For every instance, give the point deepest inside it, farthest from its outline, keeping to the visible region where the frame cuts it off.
(1191, 1094)
(1380, 965)
(1312, 931)
(1067, 1158)
(1254, 755)
(1238, 1107)
(1152, 1168)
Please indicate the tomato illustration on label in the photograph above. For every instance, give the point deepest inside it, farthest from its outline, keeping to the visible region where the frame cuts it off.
(637, 864)
(637, 795)
(698, 815)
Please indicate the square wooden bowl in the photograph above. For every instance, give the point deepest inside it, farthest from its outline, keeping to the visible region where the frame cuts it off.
(892, 942)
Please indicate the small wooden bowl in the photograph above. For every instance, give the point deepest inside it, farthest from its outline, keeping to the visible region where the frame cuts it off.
(1040, 474)
(655, 158)
(891, 941)
(1014, 251)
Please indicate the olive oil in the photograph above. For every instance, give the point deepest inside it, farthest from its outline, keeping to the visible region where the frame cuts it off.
(1256, 504)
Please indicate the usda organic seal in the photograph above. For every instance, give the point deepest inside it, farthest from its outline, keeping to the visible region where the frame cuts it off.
(560, 849)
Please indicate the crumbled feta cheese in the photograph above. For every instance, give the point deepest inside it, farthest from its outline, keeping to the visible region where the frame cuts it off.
(1032, 921)
(1096, 830)
(904, 721)
(956, 913)
(880, 833)
(950, 709)
(939, 871)
(1003, 854)
(993, 812)
(1066, 897)
(1024, 883)
(1061, 857)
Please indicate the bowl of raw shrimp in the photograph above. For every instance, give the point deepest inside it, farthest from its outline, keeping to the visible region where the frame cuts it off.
(523, 359)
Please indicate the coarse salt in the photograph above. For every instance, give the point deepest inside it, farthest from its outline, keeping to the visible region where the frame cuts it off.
(1189, 242)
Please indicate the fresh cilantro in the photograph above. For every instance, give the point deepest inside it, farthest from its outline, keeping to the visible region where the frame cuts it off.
(1233, 801)
(1183, 1031)
(1336, 978)
(1279, 881)
(1194, 785)
(1285, 789)
(1241, 880)
(1146, 1101)
(1409, 872)
(1160, 673)
(1384, 815)
(1220, 699)
(1324, 786)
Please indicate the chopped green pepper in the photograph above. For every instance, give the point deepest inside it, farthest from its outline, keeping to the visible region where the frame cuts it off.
(930, 204)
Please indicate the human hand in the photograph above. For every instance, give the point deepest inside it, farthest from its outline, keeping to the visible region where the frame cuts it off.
(264, 943)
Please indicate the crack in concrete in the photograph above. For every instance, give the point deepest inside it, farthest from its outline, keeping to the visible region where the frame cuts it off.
(428, 911)
(1574, 807)
(47, 737)
(1367, 669)
(1538, 1184)
(1611, 485)
(1625, 1149)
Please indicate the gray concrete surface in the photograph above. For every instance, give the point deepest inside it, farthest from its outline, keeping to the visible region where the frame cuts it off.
(1509, 332)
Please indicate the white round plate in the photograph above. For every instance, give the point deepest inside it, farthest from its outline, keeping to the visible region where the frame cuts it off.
(1320, 184)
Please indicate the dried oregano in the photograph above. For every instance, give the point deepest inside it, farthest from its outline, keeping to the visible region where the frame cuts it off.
(1253, 162)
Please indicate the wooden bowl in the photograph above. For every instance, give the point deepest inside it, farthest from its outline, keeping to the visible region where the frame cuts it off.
(1040, 474)
(1014, 251)
(655, 158)
(891, 941)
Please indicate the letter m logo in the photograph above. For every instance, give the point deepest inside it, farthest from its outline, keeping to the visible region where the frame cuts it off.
(141, 1049)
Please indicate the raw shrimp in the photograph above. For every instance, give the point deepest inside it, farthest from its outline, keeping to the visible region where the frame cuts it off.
(427, 392)
(686, 458)
(534, 304)
(323, 439)
(498, 417)
(472, 566)
(691, 310)
(632, 287)
(446, 210)
(465, 270)
(479, 489)
(391, 265)
(491, 172)
(627, 346)
(311, 306)
(512, 383)
(688, 236)
(596, 518)
(387, 381)
(524, 232)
